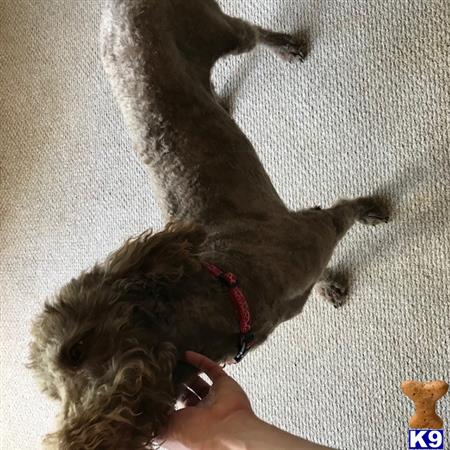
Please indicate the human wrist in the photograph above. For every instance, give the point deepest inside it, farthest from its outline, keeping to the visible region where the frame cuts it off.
(233, 432)
(244, 431)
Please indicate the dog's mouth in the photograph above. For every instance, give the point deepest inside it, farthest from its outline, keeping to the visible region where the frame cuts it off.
(128, 412)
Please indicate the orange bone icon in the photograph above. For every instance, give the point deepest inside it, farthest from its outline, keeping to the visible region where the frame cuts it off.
(425, 396)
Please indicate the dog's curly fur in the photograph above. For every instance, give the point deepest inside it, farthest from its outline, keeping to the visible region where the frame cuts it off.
(110, 345)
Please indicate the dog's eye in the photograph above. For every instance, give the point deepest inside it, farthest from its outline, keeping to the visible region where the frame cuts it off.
(76, 353)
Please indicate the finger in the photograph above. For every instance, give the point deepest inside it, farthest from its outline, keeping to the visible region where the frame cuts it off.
(211, 369)
(200, 387)
(188, 397)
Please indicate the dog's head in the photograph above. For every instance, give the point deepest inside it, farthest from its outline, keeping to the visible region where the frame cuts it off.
(99, 347)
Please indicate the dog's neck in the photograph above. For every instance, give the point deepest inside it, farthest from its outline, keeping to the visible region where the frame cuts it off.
(205, 321)
(204, 318)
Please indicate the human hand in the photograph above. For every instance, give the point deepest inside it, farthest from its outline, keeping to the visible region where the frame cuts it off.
(221, 417)
(207, 413)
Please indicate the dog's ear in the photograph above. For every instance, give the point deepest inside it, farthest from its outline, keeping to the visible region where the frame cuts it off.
(163, 257)
(131, 411)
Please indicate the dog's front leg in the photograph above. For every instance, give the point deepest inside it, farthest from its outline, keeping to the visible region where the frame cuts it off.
(287, 46)
(366, 210)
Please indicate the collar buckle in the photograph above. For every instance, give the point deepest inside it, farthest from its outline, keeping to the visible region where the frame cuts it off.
(246, 344)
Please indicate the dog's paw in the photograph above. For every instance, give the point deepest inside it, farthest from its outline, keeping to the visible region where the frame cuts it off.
(333, 288)
(292, 50)
(373, 211)
(333, 293)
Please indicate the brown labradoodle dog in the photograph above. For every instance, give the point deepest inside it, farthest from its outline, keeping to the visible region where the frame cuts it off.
(110, 345)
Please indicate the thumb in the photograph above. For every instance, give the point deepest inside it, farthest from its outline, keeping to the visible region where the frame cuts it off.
(178, 421)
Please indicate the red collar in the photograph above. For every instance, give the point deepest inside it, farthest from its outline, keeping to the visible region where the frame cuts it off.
(240, 302)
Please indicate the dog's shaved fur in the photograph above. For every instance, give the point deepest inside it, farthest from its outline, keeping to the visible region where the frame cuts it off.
(110, 345)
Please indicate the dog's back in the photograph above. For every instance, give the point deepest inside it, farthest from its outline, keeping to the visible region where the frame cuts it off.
(159, 55)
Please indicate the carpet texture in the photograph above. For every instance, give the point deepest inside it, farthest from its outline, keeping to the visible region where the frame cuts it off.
(367, 112)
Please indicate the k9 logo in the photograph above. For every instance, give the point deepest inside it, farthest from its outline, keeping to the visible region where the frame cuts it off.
(426, 439)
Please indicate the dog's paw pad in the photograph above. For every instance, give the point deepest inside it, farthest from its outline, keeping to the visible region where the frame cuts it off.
(291, 51)
(374, 219)
(374, 214)
(333, 291)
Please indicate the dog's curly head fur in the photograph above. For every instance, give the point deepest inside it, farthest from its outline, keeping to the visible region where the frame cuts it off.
(98, 348)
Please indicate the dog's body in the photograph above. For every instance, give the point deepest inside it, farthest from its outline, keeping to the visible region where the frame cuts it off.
(111, 346)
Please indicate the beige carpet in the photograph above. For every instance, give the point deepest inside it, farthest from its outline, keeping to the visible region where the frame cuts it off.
(367, 112)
